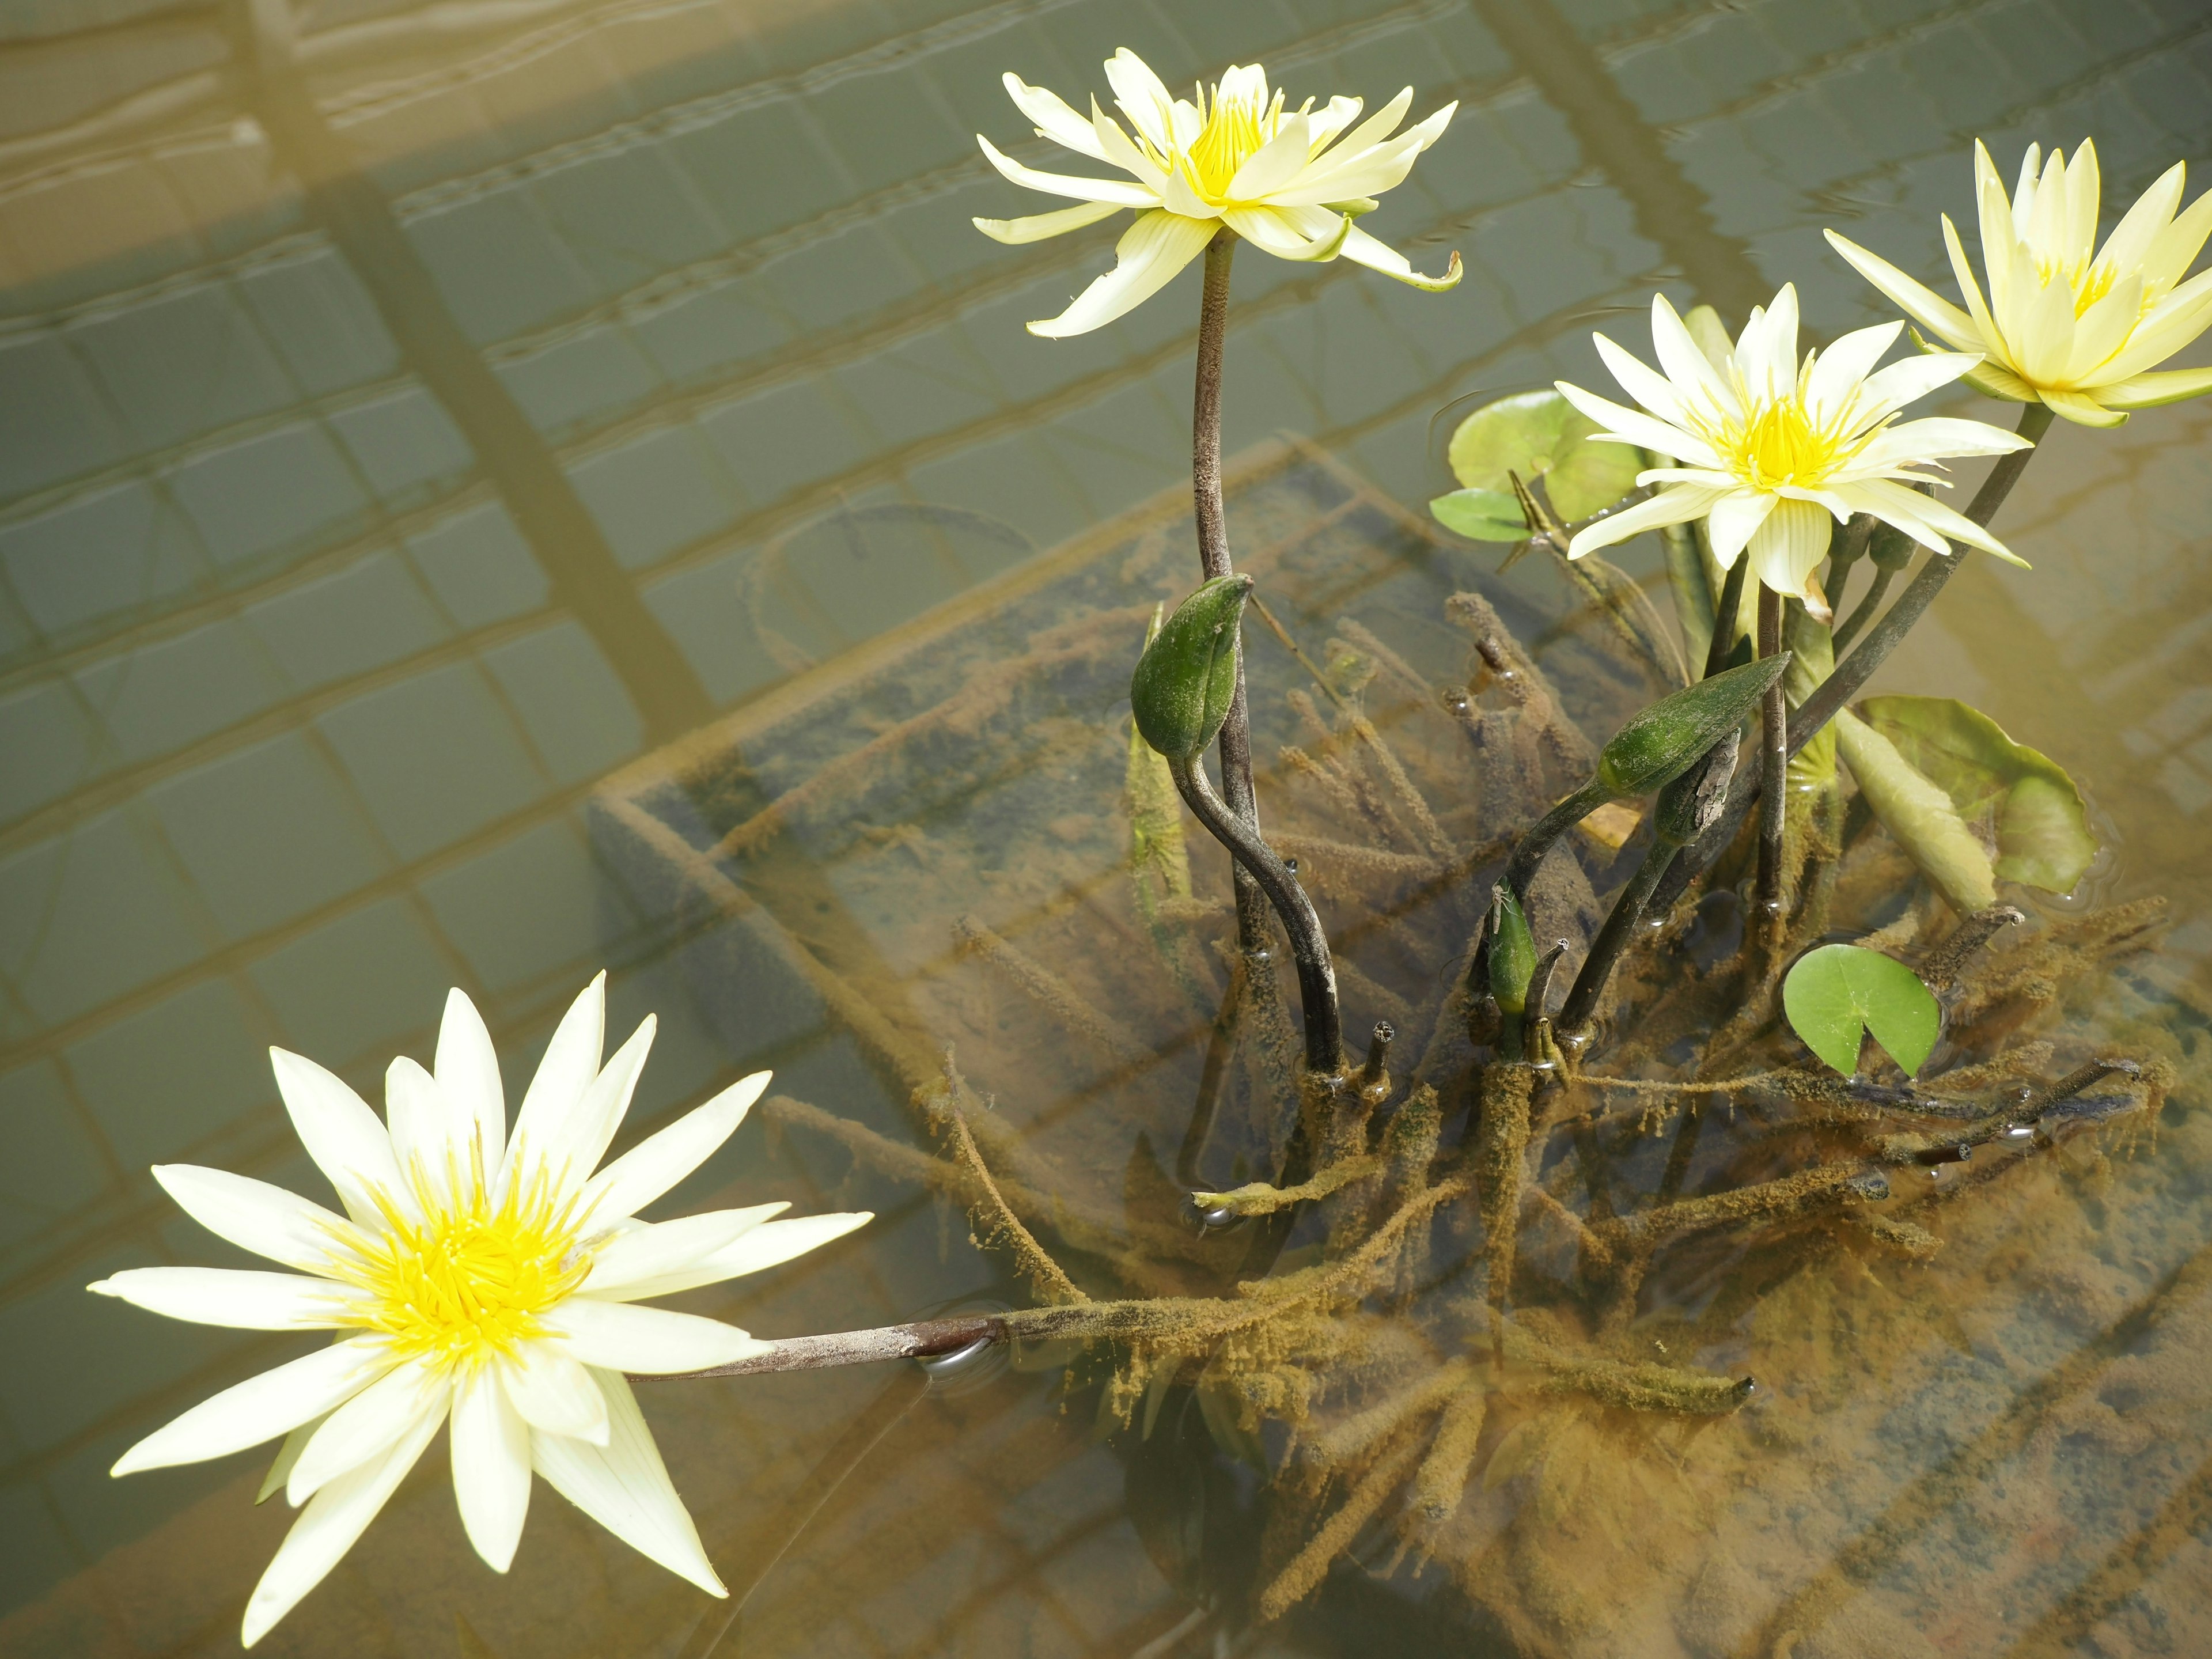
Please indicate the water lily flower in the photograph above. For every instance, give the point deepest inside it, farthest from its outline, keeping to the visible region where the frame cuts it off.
(2066, 323)
(1281, 179)
(1776, 449)
(488, 1278)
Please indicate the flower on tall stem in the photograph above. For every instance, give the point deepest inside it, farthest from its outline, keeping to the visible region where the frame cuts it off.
(2066, 323)
(1776, 448)
(478, 1276)
(1290, 182)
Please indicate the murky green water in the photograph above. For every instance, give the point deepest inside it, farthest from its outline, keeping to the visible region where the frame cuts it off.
(459, 462)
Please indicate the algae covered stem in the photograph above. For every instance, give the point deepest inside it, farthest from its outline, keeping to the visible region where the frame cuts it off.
(1211, 519)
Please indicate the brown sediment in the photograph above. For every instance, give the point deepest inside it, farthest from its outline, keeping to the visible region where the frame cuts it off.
(1053, 994)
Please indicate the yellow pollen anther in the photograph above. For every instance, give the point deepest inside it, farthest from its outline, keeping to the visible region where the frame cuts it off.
(1236, 130)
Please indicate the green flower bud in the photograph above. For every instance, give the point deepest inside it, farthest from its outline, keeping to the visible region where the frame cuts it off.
(1659, 745)
(1512, 953)
(1184, 681)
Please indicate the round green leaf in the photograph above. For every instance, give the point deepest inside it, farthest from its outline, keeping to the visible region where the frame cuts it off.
(1540, 431)
(1834, 994)
(1481, 515)
(2041, 824)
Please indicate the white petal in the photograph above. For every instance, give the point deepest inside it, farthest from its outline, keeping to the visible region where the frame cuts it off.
(1635, 427)
(1910, 378)
(1686, 363)
(1936, 438)
(1362, 249)
(1050, 114)
(762, 1248)
(1275, 163)
(1678, 505)
(436, 1140)
(2139, 227)
(1143, 98)
(2044, 342)
(1272, 230)
(1837, 371)
(576, 1151)
(1647, 385)
(1341, 113)
(554, 1393)
(1345, 173)
(245, 1300)
(343, 1136)
(1735, 518)
(326, 1529)
(1791, 540)
(668, 1247)
(262, 1407)
(1039, 226)
(255, 1216)
(572, 1060)
(1117, 147)
(650, 1341)
(658, 1162)
(1122, 192)
(467, 1069)
(1926, 520)
(491, 1466)
(1150, 253)
(287, 1457)
(1766, 351)
(1914, 299)
(2178, 243)
(626, 1489)
(1991, 337)
(366, 1426)
(1378, 126)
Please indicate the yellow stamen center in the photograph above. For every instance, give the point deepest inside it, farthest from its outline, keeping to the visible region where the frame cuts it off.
(1778, 441)
(1236, 130)
(468, 1279)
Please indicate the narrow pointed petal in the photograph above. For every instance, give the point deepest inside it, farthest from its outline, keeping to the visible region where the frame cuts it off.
(1049, 113)
(1270, 230)
(491, 1466)
(1362, 249)
(1937, 315)
(658, 1162)
(1837, 371)
(1789, 543)
(261, 1407)
(2169, 327)
(1735, 518)
(1908, 381)
(326, 1529)
(1648, 387)
(434, 1140)
(467, 1070)
(764, 1247)
(1686, 363)
(1936, 438)
(1633, 426)
(2045, 341)
(1149, 255)
(2099, 331)
(554, 1393)
(1928, 521)
(647, 1341)
(1991, 339)
(626, 1489)
(255, 1216)
(243, 1299)
(1275, 163)
(2084, 188)
(1678, 505)
(571, 1062)
(287, 1457)
(1040, 226)
(2132, 238)
(1117, 148)
(1142, 96)
(1122, 192)
(1341, 113)
(1766, 351)
(1378, 126)
(342, 1135)
(2178, 244)
(2083, 410)
(666, 1247)
(366, 1426)
(575, 1151)
(2148, 390)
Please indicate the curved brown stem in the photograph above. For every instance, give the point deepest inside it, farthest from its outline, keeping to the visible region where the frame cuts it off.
(1774, 760)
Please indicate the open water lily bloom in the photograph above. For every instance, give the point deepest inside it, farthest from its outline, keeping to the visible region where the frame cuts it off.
(1777, 450)
(483, 1279)
(1289, 181)
(2066, 323)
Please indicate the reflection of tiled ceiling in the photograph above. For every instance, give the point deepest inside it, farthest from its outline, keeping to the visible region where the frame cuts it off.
(294, 718)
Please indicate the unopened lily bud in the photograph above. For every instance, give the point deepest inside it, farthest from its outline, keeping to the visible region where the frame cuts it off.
(1665, 740)
(1691, 804)
(1184, 681)
(1512, 953)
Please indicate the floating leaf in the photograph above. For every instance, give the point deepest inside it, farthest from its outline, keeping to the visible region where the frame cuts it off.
(2035, 811)
(1538, 433)
(1481, 515)
(1834, 992)
(1919, 815)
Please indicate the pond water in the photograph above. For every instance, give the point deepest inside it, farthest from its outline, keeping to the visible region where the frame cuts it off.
(494, 491)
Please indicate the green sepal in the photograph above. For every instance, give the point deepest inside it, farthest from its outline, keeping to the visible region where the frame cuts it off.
(1662, 742)
(1512, 953)
(1184, 682)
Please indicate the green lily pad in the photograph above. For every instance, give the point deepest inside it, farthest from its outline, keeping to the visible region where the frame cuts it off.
(1532, 433)
(1918, 815)
(1838, 992)
(2035, 812)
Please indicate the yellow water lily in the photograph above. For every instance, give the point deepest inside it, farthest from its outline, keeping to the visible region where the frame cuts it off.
(478, 1276)
(1289, 181)
(2066, 323)
(1777, 447)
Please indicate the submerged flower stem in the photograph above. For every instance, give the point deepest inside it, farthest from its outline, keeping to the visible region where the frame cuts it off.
(1611, 939)
(1271, 876)
(1724, 641)
(1236, 740)
(1856, 669)
(1774, 760)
